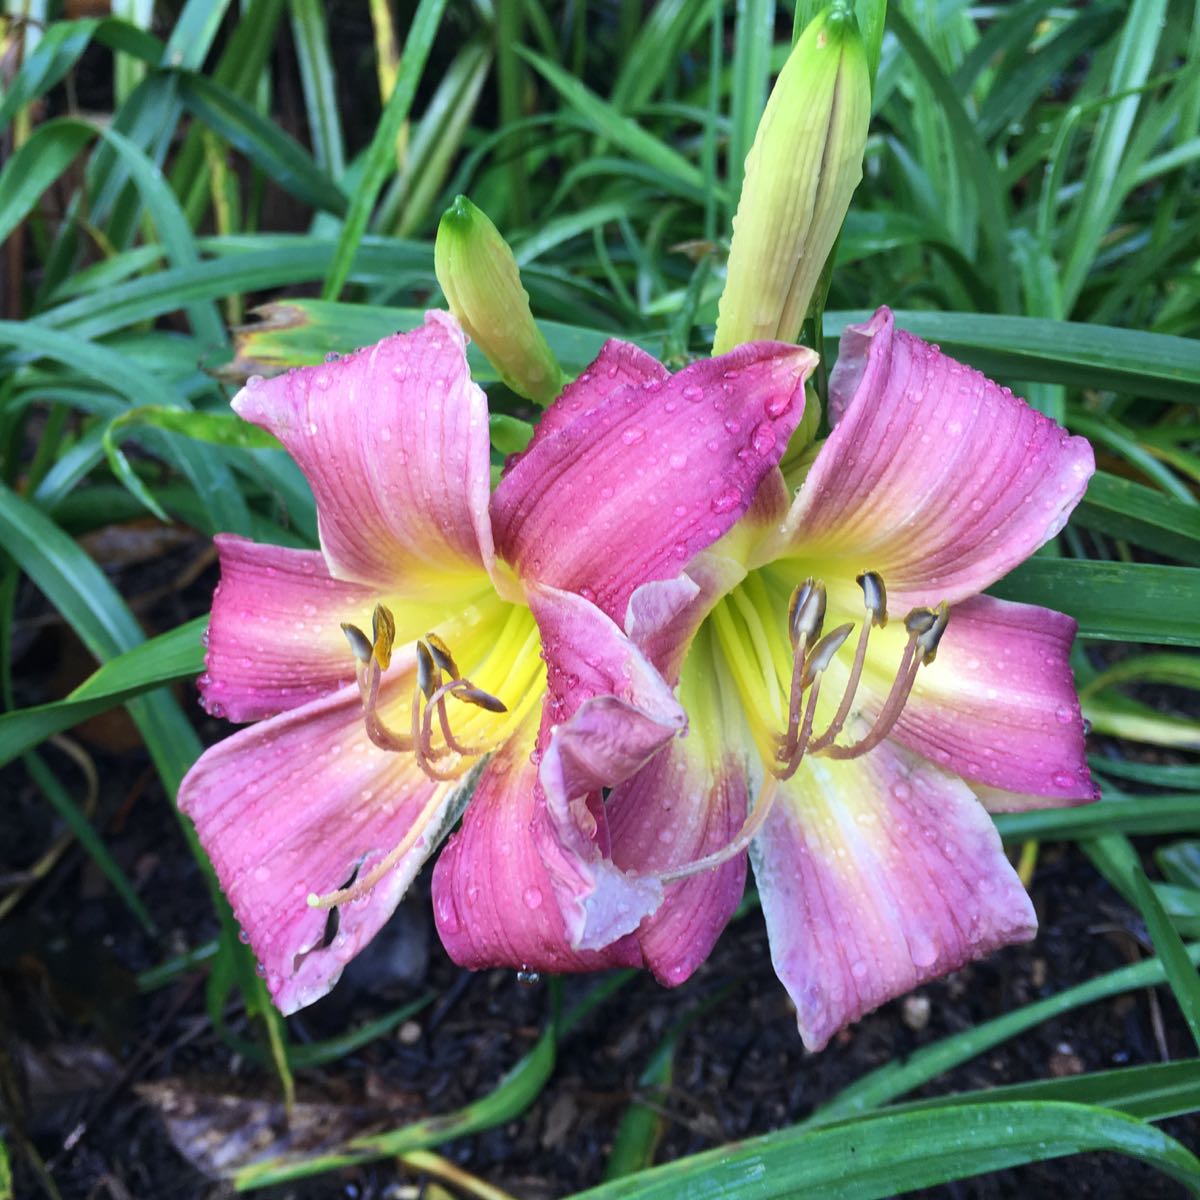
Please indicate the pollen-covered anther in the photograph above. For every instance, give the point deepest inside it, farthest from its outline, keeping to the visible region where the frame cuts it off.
(434, 659)
(383, 631)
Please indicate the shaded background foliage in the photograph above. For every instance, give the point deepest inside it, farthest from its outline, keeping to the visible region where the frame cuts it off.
(1029, 202)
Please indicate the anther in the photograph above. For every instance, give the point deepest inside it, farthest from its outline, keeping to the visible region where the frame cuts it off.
(383, 630)
(920, 620)
(360, 644)
(806, 612)
(442, 656)
(874, 596)
(426, 670)
(928, 639)
(470, 694)
(824, 651)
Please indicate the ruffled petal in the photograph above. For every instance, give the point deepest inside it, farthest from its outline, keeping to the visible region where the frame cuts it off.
(275, 639)
(394, 442)
(648, 475)
(681, 806)
(876, 875)
(998, 705)
(934, 476)
(663, 616)
(493, 899)
(300, 804)
(608, 711)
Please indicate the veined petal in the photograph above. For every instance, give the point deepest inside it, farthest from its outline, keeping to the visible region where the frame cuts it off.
(664, 615)
(998, 706)
(302, 804)
(681, 806)
(648, 475)
(607, 712)
(877, 874)
(493, 899)
(933, 476)
(619, 365)
(275, 639)
(394, 442)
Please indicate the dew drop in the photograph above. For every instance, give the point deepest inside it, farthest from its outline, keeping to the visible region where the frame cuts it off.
(533, 897)
(763, 438)
(447, 916)
(1063, 715)
(727, 501)
(677, 461)
(693, 393)
(632, 435)
(778, 404)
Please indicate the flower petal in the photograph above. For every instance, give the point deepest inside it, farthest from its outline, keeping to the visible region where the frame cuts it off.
(681, 806)
(394, 441)
(275, 639)
(998, 705)
(663, 616)
(300, 804)
(611, 710)
(618, 365)
(876, 875)
(648, 475)
(934, 476)
(493, 899)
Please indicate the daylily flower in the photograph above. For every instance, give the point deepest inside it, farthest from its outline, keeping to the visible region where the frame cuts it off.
(859, 771)
(435, 650)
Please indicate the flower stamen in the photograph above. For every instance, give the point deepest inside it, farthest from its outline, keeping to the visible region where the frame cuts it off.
(925, 628)
(434, 660)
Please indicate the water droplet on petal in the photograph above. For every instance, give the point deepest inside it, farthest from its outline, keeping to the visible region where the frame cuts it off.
(763, 438)
(632, 435)
(727, 501)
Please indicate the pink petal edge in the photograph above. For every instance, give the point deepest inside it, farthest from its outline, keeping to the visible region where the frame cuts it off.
(394, 441)
(274, 640)
(934, 476)
(299, 804)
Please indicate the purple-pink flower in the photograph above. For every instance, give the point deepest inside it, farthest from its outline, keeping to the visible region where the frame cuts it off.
(447, 647)
(856, 707)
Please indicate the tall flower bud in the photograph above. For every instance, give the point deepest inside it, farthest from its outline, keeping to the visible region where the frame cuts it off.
(802, 170)
(479, 276)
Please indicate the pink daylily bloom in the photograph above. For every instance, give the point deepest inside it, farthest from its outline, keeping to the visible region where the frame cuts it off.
(435, 652)
(823, 737)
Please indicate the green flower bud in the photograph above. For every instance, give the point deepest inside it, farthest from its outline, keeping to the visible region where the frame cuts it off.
(802, 170)
(479, 275)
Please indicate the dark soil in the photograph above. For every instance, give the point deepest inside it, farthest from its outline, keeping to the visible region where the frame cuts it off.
(100, 1077)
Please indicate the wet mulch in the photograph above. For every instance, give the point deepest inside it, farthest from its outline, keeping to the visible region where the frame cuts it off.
(129, 1094)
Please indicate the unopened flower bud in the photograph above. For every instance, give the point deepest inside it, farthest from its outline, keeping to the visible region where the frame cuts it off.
(802, 170)
(479, 276)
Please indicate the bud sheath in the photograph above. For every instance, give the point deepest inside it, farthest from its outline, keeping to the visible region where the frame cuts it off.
(479, 276)
(802, 170)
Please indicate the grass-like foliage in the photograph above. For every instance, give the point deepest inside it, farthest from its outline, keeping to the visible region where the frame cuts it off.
(194, 193)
